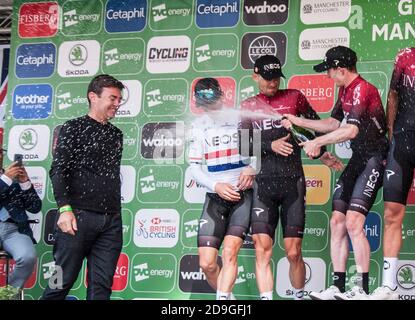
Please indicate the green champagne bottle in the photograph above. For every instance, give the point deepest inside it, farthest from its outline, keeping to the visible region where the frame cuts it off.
(300, 134)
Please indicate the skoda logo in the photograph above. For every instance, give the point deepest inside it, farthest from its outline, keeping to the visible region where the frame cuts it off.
(261, 46)
(78, 55)
(405, 276)
(28, 139)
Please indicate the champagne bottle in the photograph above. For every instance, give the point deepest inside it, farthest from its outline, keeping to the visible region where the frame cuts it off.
(300, 134)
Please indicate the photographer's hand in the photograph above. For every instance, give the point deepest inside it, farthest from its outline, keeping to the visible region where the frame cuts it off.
(13, 170)
(23, 176)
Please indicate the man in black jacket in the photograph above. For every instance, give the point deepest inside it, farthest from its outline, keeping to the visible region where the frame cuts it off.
(17, 196)
(85, 175)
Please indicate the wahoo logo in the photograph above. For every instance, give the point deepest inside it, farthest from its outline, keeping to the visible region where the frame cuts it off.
(195, 275)
(371, 183)
(148, 184)
(153, 98)
(159, 12)
(48, 269)
(141, 272)
(389, 173)
(111, 57)
(191, 228)
(203, 53)
(163, 142)
(266, 8)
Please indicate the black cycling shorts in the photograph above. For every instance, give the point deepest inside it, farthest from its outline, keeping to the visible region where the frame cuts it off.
(359, 183)
(399, 167)
(221, 218)
(279, 195)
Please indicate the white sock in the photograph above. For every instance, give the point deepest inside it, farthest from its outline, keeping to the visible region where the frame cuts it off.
(222, 295)
(265, 295)
(232, 297)
(390, 267)
(298, 293)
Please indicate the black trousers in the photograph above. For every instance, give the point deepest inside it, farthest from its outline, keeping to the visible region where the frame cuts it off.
(99, 240)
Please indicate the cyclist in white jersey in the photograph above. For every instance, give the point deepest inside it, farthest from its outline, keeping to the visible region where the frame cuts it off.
(229, 179)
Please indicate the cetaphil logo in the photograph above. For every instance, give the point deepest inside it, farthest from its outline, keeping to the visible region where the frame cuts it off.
(35, 60)
(162, 140)
(168, 54)
(406, 276)
(79, 58)
(372, 230)
(36, 20)
(32, 101)
(260, 12)
(325, 11)
(255, 45)
(156, 228)
(317, 88)
(217, 14)
(125, 16)
(314, 43)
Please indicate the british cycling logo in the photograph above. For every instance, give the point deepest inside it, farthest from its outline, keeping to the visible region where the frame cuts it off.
(221, 13)
(125, 16)
(35, 60)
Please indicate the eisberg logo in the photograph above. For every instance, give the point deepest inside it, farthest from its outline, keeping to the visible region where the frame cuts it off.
(35, 60)
(168, 54)
(38, 19)
(260, 12)
(125, 16)
(32, 101)
(221, 13)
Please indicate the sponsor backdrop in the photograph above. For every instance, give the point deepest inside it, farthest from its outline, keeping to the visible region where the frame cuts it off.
(159, 48)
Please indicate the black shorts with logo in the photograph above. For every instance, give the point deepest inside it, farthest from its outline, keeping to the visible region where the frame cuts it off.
(357, 187)
(399, 167)
(221, 218)
(275, 196)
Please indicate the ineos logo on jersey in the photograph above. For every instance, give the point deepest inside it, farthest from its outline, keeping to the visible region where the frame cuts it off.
(255, 45)
(265, 12)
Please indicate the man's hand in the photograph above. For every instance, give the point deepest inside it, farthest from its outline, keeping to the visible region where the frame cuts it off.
(227, 191)
(23, 176)
(311, 148)
(246, 178)
(13, 170)
(289, 120)
(331, 161)
(67, 222)
(282, 147)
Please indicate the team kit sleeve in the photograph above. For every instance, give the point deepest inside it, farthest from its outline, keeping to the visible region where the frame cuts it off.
(360, 102)
(61, 165)
(397, 70)
(337, 112)
(196, 153)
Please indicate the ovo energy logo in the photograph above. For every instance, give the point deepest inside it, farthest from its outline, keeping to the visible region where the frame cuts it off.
(79, 19)
(179, 13)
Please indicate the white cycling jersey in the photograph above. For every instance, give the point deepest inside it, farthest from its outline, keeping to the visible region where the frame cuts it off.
(215, 143)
